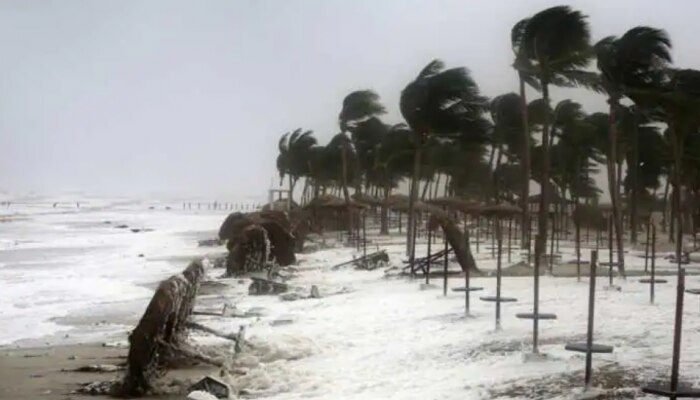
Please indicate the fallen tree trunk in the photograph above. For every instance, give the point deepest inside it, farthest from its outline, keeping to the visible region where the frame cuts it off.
(458, 240)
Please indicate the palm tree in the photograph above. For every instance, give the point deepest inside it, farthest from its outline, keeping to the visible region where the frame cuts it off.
(634, 61)
(357, 107)
(445, 103)
(292, 160)
(555, 45)
(677, 93)
(525, 76)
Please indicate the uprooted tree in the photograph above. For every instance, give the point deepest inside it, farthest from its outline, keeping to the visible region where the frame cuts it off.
(256, 240)
(160, 332)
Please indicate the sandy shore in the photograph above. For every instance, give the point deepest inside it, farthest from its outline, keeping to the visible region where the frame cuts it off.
(48, 373)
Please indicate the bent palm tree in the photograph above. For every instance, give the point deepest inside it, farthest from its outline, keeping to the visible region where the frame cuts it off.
(358, 106)
(634, 61)
(440, 102)
(292, 160)
(555, 44)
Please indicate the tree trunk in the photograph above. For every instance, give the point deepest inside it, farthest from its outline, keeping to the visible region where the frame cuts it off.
(541, 242)
(384, 221)
(437, 185)
(677, 149)
(525, 160)
(426, 189)
(413, 196)
(613, 186)
(634, 170)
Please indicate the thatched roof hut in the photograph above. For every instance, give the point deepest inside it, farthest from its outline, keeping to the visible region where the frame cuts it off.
(333, 202)
(500, 210)
(457, 204)
(364, 198)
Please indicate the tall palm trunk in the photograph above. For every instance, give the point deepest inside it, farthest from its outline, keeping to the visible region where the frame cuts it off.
(413, 196)
(676, 215)
(541, 242)
(437, 186)
(384, 221)
(634, 171)
(344, 183)
(525, 225)
(613, 186)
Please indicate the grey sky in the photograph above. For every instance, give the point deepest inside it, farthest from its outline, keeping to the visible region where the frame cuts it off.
(190, 97)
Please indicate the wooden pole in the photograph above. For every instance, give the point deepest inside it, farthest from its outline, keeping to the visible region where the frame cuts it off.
(536, 301)
(551, 246)
(591, 317)
(646, 246)
(677, 331)
(444, 275)
(427, 275)
(364, 236)
(577, 226)
(610, 250)
(510, 226)
(653, 264)
(478, 232)
(498, 281)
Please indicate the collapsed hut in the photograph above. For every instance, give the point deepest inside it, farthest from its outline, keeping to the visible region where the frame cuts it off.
(257, 240)
(331, 213)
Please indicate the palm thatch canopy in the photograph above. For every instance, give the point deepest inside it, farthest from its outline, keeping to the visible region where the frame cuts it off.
(500, 210)
(333, 202)
(457, 204)
(364, 198)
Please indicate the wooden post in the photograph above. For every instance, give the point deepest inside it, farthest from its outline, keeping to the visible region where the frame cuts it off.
(493, 237)
(678, 327)
(653, 263)
(478, 232)
(646, 246)
(577, 226)
(364, 236)
(591, 317)
(610, 249)
(551, 247)
(427, 275)
(510, 226)
(498, 281)
(466, 291)
(444, 275)
(536, 300)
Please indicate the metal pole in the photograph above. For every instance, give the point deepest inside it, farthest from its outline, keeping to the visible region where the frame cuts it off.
(677, 331)
(591, 316)
(653, 263)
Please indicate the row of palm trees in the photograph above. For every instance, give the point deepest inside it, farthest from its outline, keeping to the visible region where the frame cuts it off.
(490, 149)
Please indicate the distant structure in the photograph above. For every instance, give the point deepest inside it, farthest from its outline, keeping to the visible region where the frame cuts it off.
(272, 193)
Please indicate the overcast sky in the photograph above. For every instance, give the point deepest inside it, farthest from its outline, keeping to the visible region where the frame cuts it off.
(190, 97)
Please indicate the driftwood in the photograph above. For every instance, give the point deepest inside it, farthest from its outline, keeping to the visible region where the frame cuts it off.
(160, 331)
(369, 262)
